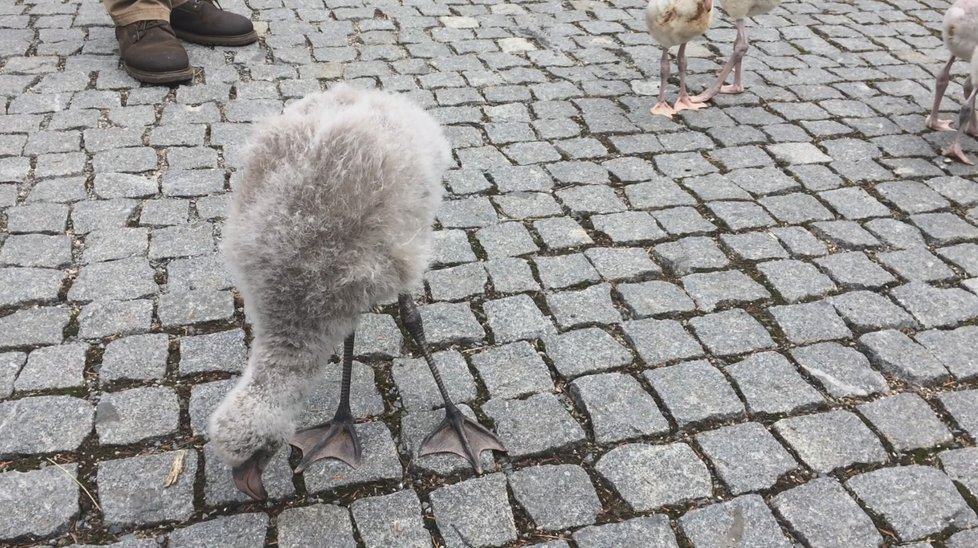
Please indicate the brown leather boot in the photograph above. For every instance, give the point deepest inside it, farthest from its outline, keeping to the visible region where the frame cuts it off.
(205, 22)
(151, 53)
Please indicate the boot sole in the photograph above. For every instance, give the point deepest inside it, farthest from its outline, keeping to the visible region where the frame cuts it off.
(160, 77)
(211, 40)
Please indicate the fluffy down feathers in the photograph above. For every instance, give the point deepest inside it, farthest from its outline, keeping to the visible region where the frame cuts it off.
(333, 214)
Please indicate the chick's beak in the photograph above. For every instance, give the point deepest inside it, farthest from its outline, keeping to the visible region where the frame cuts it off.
(247, 478)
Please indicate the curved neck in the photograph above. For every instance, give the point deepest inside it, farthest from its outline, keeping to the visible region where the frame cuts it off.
(284, 375)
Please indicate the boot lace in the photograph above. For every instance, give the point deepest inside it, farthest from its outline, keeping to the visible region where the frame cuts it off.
(142, 27)
(212, 2)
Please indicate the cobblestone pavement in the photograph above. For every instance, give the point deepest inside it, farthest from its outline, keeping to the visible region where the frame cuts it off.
(755, 325)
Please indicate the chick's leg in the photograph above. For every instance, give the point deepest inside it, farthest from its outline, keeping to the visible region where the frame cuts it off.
(967, 112)
(337, 438)
(457, 433)
(933, 122)
(735, 62)
(662, 107)
(684, 102)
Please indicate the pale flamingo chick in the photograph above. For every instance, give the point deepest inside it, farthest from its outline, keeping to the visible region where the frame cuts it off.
(738, 9)
(960, 33)
(671, 23)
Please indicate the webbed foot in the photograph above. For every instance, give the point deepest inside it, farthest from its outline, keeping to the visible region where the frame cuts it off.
(336, 439)
(462, 436)
(954, 152)
(662, 109)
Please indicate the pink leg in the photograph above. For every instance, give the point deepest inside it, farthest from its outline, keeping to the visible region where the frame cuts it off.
(684, 102)
(736, 60)
(942, 80)
(967, 112)
(662, 108)
(737, 86)
(972, 128)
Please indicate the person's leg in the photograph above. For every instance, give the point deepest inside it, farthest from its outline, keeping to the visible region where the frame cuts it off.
(148, 46)
(127, 12)
(204, 22)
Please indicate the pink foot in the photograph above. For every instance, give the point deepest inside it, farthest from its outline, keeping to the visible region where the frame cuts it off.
(939, 125)
(687, 103)
(732, 89)
(954, 151)
(662, 109)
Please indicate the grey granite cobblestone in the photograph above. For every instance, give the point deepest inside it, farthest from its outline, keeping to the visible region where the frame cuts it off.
(694, 392)
(10, 366)
(648, 477)
(133, 415)
(897, 354)
(38, 502)
(44, 424)
(239, 531)
(954, 348)
(746, 515)
(516, 318)
(19, 286)
(556, 497)
(731, 332)
(961, 405)
(365, 399)
(661, 341)
(589, 306)
(109, 318)
(831, 440)
(512, 370)
(48, 367)
(839, 370)
(916, 501)
(746, 456)
(936, 307)
(805, 508)
(618, 406)
(310, 524)
(906, 422)
(584, 351)
(537, 424)
(389, 520)
(148, 501)
(447, 323)
(135, 357)
(115, 280)
(771, 386)
(865, 310)
(654, 530)
(810, 322)
(796, 280)
(692, 254)
(962, 467)
(475, 512)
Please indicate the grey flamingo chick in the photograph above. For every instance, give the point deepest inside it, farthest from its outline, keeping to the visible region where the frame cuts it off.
(332, 216)
(671, 23)
(738, 9)
(960, 32)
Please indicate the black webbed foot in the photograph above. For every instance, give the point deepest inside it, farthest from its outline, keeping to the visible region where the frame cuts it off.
(336, 439)
(462, 436)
